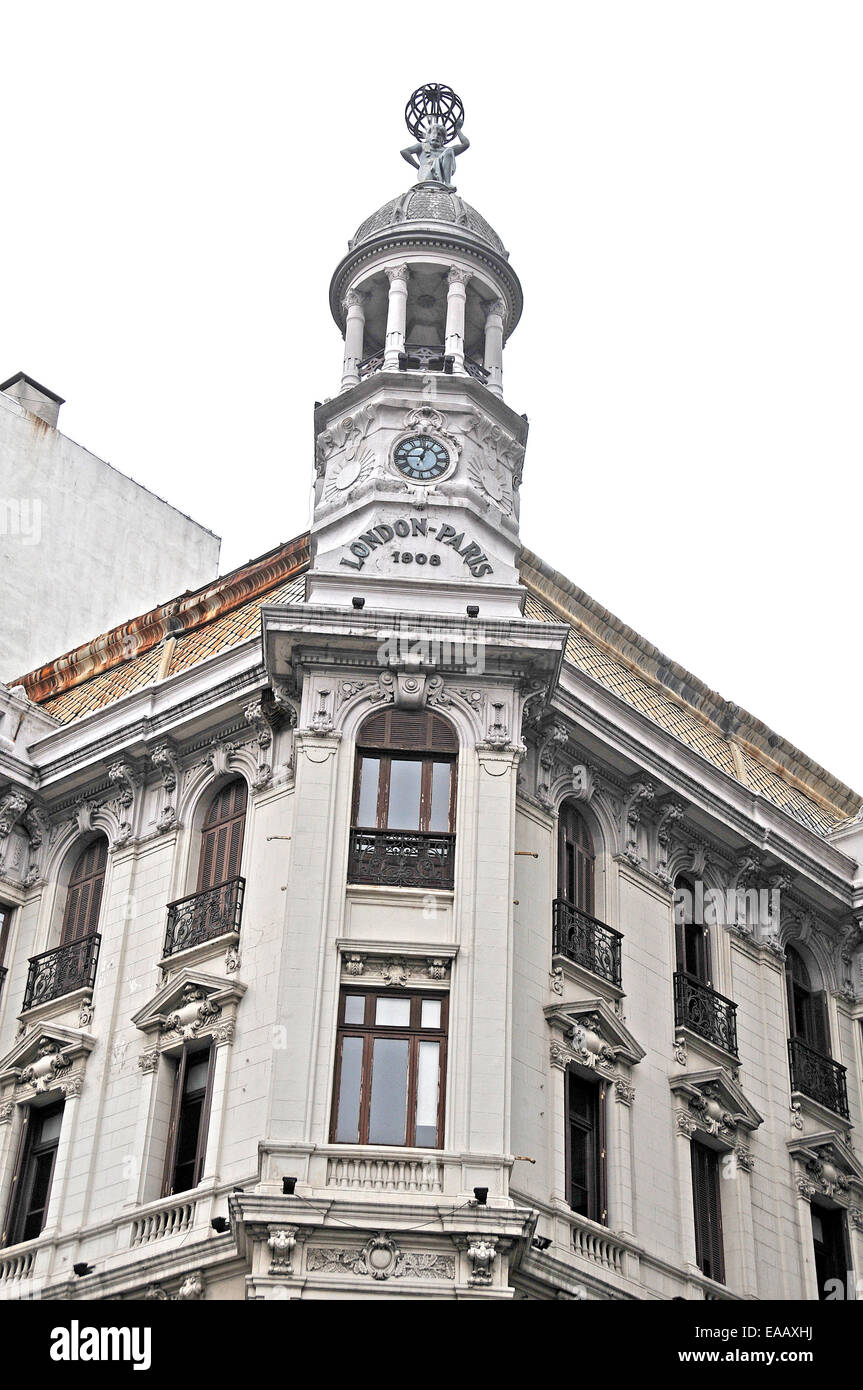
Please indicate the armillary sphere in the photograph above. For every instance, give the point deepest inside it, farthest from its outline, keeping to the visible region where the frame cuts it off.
(433, 102)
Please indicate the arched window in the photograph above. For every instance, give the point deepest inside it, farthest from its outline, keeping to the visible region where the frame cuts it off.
(403, 815)
(693, 940)
(84, 895)
(222, 836)
(575, 861)
(405, 779)
(807, 1007)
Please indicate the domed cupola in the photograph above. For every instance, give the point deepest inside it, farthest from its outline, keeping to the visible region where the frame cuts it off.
(418, 459)
(426, 284)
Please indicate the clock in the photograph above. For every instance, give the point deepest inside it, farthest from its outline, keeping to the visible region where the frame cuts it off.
(421, 458)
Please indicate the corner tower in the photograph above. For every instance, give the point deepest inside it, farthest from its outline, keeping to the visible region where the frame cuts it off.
(418, 458)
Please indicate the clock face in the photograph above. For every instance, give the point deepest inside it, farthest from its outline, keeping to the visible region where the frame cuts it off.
(421, 458)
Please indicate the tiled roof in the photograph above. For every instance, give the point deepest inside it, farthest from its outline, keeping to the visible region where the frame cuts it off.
(182, 634)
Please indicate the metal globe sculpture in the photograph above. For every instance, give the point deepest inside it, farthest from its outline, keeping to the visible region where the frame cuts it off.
(434, 102)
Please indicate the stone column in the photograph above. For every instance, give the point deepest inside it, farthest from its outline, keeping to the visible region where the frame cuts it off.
(559, 1058)
(455, 306)
(619, 1154)
(684, 1130)
(355, 327)
(808, 1276)
(222, 1038)
(736, 1196)
(855, 1233)
(397, 308)
(493, 362)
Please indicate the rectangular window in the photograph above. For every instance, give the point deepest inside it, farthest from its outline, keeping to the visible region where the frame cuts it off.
(585, 1146)
(190, 1114)
(708, 1213)
(829, 1235)
(34, 1173)
(396, 792)
(390, 1069)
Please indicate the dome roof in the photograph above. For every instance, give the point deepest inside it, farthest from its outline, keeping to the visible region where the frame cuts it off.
(427, 203)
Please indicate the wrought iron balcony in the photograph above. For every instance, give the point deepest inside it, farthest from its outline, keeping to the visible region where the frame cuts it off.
(61, 971)
(421, 358)
(705, 1012)
(202, 916)
(818, 1077)
(402, 858)
(586, 941)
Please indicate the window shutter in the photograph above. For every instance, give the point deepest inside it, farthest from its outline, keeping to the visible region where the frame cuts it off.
(16, 1178)
(708, 1217)
(820, 1032)
(174, 1124)
(222, 836)
(84, 895)
(204, 1126)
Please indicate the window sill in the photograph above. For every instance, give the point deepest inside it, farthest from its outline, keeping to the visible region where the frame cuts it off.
(696, 1043)
(578, 974)
(53, 1008)
(205, 950)
(389, 892)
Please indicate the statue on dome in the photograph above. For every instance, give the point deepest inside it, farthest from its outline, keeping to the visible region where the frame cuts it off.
(434, 115)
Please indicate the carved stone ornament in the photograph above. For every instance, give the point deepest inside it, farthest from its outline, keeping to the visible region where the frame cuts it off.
(481, 1254)
(680, 1055)
(282, 1243)
(624, 1091)
(191, 1288)
(148, 1062)
(640, 797)
(583, 783)
(685, 1123)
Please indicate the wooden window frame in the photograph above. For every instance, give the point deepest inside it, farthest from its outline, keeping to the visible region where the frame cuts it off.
(368, 1030)
(709, 1246)
(841, 1253)
(386, 758)
(78, 924)
(702, 974)
(597, 1185)
(583, 861)
(5, 928)
(816, 1019)
(234, 824)
(26, 1151)
(190, 1051)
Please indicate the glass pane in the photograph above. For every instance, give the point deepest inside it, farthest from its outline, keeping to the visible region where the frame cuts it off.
(428, 1073)
(389, 1091)
(439, 814)
(430, 1017)
(348, 1121)
(196, 1073)
(367, 809)
(394, 1013)
(355, 1008)
(404, 807)
(50, 1127)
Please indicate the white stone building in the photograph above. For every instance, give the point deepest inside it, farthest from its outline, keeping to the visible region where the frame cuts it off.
(389, 920)
(81, 545)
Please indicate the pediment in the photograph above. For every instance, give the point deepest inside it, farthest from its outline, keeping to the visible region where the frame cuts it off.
(189, 992)
(593, 1021)
(716, 1096)
(44, 1041)
(827, 1147)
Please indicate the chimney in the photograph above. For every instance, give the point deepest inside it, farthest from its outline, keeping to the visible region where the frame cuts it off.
(35, 398)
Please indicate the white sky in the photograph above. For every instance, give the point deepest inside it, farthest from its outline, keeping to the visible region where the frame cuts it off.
(679, 188)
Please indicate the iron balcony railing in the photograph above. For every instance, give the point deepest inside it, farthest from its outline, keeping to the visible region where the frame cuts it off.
(61, 971)
(818, 1077)
(421, 357)
(705, 1012)
(203, 916)
(402, 858)
(586, 941)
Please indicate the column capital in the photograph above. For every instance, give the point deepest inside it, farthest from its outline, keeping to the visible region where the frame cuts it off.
(457, 275)
(354, 299)
(396, 272)
(496, 306)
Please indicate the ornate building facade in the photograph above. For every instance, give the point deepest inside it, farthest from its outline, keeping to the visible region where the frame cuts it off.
(387, 919)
